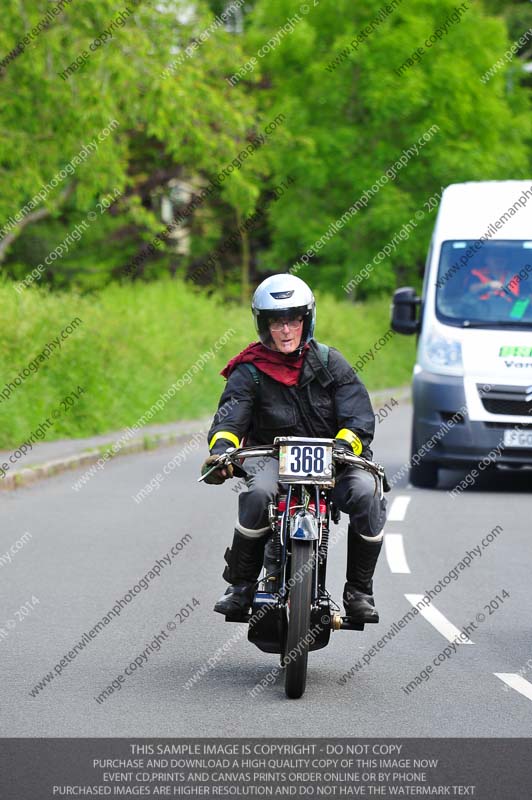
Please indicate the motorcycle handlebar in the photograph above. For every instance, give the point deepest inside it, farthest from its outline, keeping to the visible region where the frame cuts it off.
(340, 455)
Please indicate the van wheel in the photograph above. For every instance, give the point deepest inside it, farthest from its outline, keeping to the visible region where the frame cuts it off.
(423, 475)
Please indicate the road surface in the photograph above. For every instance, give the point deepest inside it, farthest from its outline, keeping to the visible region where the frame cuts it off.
(86, 549)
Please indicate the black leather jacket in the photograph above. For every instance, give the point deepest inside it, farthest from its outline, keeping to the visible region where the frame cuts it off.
(325, 400)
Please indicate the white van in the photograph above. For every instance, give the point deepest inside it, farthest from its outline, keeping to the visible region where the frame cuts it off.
(472, 383)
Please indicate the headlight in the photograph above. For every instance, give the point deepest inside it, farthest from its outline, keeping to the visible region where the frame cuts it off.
(440, 354)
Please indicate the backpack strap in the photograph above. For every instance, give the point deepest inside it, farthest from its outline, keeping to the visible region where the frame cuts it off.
(324, 353)
(254, 371)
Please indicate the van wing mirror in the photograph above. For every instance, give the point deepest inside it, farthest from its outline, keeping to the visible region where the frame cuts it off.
(404, 311)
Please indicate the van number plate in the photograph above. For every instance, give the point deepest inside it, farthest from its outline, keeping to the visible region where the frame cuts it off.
(518, 439)
(305, 461)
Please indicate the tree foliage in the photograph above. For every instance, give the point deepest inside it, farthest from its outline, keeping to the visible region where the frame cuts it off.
(164, 76)
(169, 125)
(350, 124)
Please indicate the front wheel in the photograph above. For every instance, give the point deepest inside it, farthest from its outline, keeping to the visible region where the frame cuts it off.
(300, 598)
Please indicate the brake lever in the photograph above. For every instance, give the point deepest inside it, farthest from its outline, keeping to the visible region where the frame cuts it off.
(222, 462)
(377, 470)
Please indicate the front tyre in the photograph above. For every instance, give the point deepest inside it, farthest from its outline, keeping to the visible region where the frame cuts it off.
(300, 598)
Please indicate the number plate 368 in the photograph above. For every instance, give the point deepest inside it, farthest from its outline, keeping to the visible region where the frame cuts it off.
(300, 463)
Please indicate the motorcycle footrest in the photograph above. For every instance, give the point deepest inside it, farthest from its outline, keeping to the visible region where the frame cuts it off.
(347, 625)
(243, 617)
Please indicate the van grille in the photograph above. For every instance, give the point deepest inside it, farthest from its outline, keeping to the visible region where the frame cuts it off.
(510, 400)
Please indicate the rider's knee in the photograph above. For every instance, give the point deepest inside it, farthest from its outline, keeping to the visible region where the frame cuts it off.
(369, 522)
(360, 498)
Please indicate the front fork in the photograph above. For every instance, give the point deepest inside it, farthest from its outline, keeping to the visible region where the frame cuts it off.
(310, 525)
(316, 527)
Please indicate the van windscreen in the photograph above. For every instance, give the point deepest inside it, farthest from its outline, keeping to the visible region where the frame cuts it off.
(485, 283)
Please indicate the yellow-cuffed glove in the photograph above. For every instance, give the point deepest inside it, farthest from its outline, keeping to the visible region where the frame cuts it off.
(217, 476)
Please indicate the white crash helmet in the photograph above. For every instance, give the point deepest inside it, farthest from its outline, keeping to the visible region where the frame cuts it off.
(279, 297)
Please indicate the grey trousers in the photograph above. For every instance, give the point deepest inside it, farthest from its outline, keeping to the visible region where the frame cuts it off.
(354, 493)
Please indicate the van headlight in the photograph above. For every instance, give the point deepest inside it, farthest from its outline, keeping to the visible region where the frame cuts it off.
(440, 354)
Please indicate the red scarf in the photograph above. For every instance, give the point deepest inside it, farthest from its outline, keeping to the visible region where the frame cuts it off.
(283, 367)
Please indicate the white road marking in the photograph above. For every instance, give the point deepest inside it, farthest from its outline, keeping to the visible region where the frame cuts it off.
(398, 509)
(515, 681)
(438, 620)
(395, 552)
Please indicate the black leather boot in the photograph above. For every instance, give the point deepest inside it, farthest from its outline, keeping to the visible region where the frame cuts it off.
(362, 558)
(244, 563)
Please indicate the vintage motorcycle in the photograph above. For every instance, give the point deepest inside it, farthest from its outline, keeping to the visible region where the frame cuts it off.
(292, 612)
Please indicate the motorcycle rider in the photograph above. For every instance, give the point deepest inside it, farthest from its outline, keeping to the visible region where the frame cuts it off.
(284, 385)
